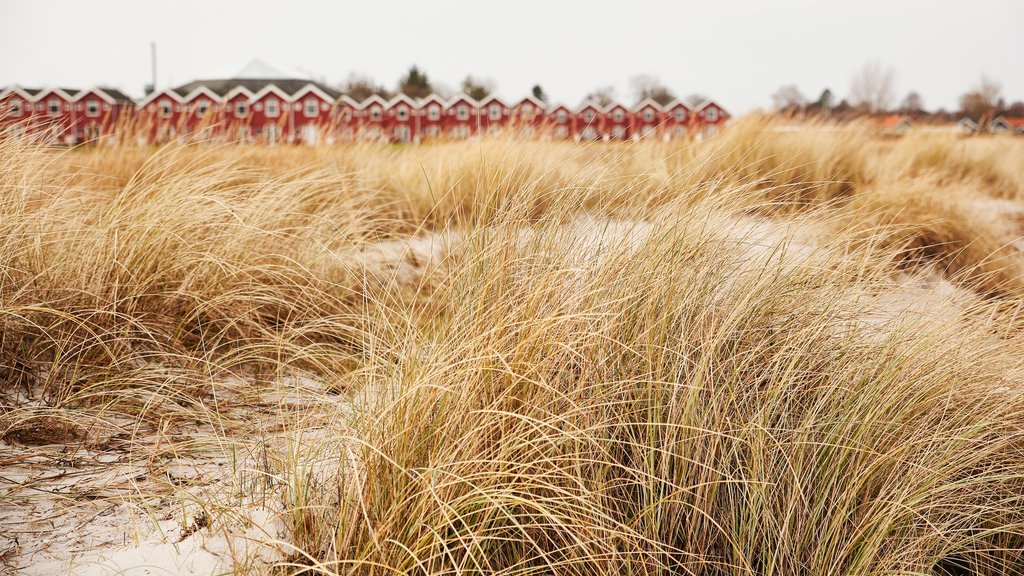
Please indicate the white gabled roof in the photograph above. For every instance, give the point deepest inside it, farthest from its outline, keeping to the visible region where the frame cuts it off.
(165, 92)
(589, 104)
(676, 103)
(533, 99)
(312, 89)
(346, 99)
(47, 91)
(493, 98)
(236, 91)
(401, 98)
(268, 89)
(16, 90)
(613, 106)
(710, 102)
(373, 99)
(558, 105)
(460, 98)
(652, 103)
(433, 98)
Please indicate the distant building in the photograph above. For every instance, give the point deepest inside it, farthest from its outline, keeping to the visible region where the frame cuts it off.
(265, 106)
(1006, 125)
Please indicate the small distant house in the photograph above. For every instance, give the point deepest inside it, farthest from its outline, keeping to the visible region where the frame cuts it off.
(1006, 125)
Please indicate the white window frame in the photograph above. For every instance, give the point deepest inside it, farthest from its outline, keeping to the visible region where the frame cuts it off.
(648, 115)
(53, 106)
(202, 107)
(711, 114)
(402, 112)
(375, 113)
(92, 107)
(434, 112)
(462, 112)
(272, 108)
(619, 116)
(166, 109)
(561, 116)
(310, 107)
(495, 111)
(588, 116)
(241, 109)
(680, 114)
(15, 107)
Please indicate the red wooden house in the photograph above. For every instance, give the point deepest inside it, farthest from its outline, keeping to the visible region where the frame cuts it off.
(495, 115)
(561, 120)
(709, 117)
(678, 119)
(647, 119)
(310, 115)
(402, 121)
(618, 122)
(461, 117)
(528, 115)
(432, 121)
(589, 119)
(17, 108)
(371, 119)
(346, 118)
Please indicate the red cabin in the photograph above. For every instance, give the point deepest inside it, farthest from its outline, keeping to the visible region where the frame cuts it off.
(560, 118)
(618, 122)
(402, 121)
(648, 119)
(678, 119)
(709, 117)
(589, 121)
(461, 117)
(495, 115)
(432, 117)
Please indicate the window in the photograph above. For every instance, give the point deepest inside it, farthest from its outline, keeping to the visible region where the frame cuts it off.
(311, 108)
(561, 116)
(588, 116)
(434, 112)
(526, 111)
(648, 115)
(273, 108)
(53, 106)
(202, 107)
(165, 109)
(92, 108)
(462, 112)
(680, 114)
(403, 113)
(375, 113)
(618, 115)
(241, 109)
(433, 131)
(346, 114)
(495, 111)
(15, 107)
(712, 114)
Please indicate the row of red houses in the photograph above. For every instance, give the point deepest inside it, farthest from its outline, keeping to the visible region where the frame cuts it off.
(290, 110)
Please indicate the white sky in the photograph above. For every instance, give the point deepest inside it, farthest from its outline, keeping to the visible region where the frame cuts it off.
(736, 51)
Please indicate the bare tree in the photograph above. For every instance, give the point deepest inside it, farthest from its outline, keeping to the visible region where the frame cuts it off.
(788, 98)
(912, 103)
(603, 96)
(984, 100)
(873, 87)
(646, 86)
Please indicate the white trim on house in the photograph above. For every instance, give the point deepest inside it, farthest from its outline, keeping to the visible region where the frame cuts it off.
(651, 102)
(533, 100)
(374, 98)
(271, 89)
(312, 88)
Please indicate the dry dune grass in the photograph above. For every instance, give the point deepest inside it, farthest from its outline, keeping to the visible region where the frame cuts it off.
(767, 353)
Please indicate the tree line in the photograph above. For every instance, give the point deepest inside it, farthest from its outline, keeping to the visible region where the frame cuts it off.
(873, 91)
(415, 83)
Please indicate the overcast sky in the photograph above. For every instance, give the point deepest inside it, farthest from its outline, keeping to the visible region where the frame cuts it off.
(736, 51)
